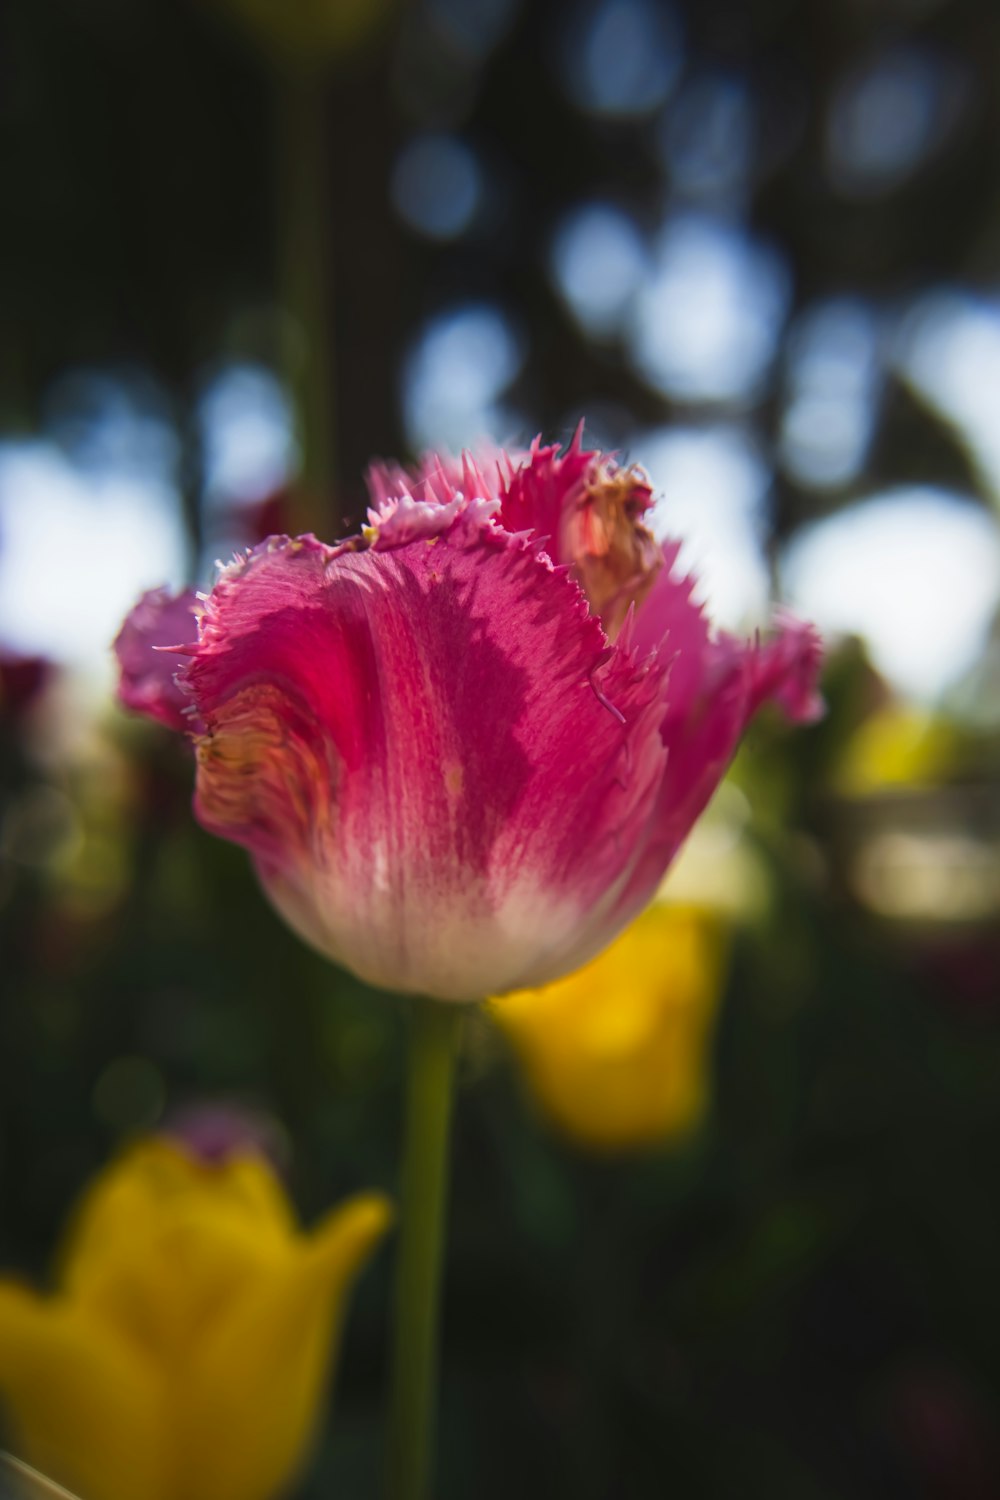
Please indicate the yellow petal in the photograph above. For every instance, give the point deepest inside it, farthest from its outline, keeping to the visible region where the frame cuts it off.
(616, 1054)
(896, 747)
(148, 1182)
(253, 1390)
(340, 1244)
(81, 1405)
(162, 1241)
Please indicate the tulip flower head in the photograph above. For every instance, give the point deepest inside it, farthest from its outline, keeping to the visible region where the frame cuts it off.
(463, 746)
(617, 1054)
(186, 1348)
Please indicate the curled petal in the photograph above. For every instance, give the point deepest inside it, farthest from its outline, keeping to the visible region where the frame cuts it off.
(719, 686)
(672, 626)
(786, 669)
(404, 520)
(436, 760)
(540, 489)
(152, 646)
(587, 510)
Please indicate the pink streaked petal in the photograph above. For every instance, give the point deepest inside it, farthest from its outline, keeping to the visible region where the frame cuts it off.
(437, 762)
(540, 488)
(671, 624)
(588, 512)
(152, 647)
(702, 735)
(786, 670)
(439, 477)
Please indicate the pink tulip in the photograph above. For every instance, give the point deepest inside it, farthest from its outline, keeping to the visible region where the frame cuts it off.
(463, 747)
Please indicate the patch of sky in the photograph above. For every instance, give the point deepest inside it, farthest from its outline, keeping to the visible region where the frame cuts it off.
(833, 385)
(90, 516)
(706, 323)
(435, 185)
(621, 58)
(455, 375)
(890, 116)
(707, 138)
(914, 571)
(598, 262)
(472, 28)
(77, 546)
(248, 444)
(947, 349)
(711, 485)
(112, 422)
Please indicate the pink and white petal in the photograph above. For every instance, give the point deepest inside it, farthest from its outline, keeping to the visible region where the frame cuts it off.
(433, 756)
(439, 477)
(152, 646)
(405, 520)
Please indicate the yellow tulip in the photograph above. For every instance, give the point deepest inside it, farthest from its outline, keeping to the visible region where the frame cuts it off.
(896, 748)
(616, 1055)
(185, 1351)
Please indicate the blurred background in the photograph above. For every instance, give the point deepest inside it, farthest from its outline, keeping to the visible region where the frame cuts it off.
(756, 244)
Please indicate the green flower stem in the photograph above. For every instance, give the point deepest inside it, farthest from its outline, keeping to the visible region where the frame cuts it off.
(433, 1045)
(305, 272)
